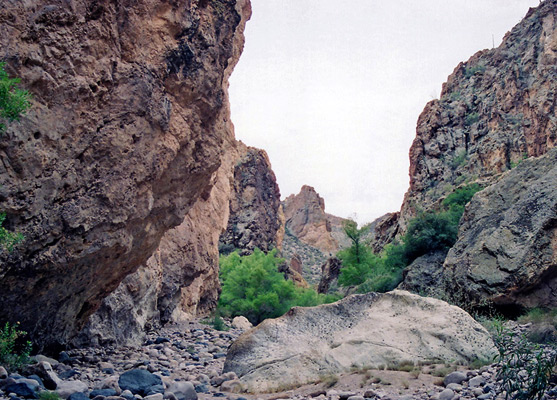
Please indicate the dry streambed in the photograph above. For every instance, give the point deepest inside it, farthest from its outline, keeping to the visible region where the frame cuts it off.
(186, 363)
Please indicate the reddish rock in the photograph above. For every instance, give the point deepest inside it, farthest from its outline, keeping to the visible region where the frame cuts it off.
(306, 219)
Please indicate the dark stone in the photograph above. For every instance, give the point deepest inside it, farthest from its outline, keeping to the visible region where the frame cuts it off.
(160, 340)
(64, 357)
(219, 394)
(140, 381)
(68, 374)
(155, 389)
(38, 379)
(22, 389)
(108, 371)
(201, 388)
(103, 392)
(78, 396)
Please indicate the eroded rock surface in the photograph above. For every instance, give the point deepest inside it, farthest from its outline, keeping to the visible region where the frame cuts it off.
(128, 122)
(360, 330)
(495, 109)
(256, 216)
(507, 245)
(183, 272)
(306, 218)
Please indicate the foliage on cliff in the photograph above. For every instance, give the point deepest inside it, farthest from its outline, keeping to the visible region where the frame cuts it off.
(427, 232)
(13, 103)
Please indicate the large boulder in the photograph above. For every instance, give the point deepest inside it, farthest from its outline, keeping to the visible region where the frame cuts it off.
(507, 243)
(360, 330)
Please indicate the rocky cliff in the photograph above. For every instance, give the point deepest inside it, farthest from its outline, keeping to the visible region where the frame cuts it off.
(507, 246)
(256, 216)
(180, 281)
(496, 110)
(311, 234)
(128, 124)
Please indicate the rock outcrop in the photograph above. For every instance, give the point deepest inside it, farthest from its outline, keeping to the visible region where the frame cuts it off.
(128, 123)
(360, 330)
(183, 272)
(507, 244)
(311, 234)
(256, 216)
(330, 272)
(495, 109)
(306, 218)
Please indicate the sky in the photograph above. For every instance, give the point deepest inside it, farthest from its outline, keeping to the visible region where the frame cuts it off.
(332, 89)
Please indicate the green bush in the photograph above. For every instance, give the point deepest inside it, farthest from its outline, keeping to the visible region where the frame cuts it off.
(253, 287)
(8, 239)
(13, 101)
(524, 368)
(9, 357)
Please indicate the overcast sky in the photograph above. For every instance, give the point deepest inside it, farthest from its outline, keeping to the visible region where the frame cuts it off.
(332, 89)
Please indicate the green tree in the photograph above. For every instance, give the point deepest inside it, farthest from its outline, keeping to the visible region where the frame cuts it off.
(253, 287)
(14, 102)
(358, 261)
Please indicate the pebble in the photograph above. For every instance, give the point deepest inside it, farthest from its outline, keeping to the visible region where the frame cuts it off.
(171, 359)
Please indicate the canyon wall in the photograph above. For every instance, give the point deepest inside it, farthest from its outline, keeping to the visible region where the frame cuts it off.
(128, 125)
(181, 279)
(493, 125)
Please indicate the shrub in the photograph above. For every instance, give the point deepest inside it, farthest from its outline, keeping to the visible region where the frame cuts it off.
(524, 368)
(9, 358)
(471, 118)
(8, 239)
(13, 101)
(47, 395)
(253, 287)
(429, 232)
(471, 71)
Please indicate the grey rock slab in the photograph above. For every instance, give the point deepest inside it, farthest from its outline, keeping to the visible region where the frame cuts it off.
(139, 381)
(66, 388)
(182, 390)
(306, 343)
(455, 377)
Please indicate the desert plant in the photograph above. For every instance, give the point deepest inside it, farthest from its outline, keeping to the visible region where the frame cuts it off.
(48, 395)
(253, 287)
(524, 368)
(14, 101)
(12, 357)
(8, 239)
(471, 71)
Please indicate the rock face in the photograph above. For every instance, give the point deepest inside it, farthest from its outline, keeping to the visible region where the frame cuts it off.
(370, 330)
(329, 274)
(311, 234)
(256, 216)
(129, 118)
(306, 218)
(424, 274)
(507, 245)
(495, 110)
(180, 281)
